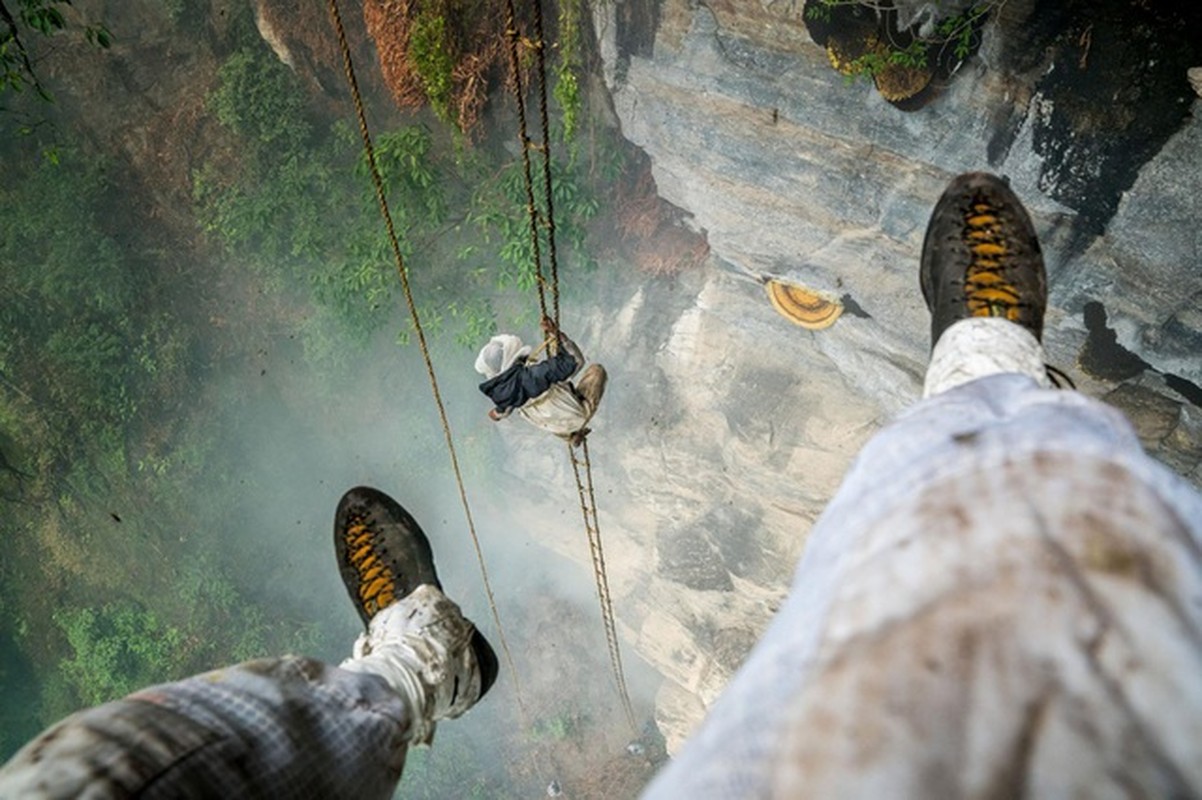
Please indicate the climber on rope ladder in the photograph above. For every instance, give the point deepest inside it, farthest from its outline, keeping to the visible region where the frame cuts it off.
(541, 390)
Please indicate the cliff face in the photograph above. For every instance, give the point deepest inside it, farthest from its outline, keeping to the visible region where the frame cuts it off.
(726, 428)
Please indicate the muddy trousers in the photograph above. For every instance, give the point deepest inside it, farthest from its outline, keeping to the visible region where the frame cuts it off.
(283, 727)
(590, 387)
(274, 728)
(1003, 599)
(564, 409)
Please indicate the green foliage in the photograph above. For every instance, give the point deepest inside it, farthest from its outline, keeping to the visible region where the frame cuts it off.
(499, 211)
(820, 11)
(56, 699)
(257, 97)
(286, 215)
(557, 728)
(91, 358)
(913, 56)
(567, 72)
(226, 627)
(297, 205)
(430, 54)
(957, 30)
(116, 650)
(175, 9)
(81, 298)
(567, 94)
(272, 207)
(960, 29)
(84, 356)
(477, 320)
(98, 36)
(415, 177)
(43, 17)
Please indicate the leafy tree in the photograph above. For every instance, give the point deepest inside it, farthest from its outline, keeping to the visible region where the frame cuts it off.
(267, 200)
(44, 17)
(66, 341)
(955, 33)
(116, 650)
(430, 51)
(498, 210)
(301, 210)
(569, 67)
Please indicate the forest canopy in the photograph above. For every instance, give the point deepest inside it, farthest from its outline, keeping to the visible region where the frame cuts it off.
(146, 326)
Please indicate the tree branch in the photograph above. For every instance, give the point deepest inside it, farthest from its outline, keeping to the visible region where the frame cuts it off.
(15, 37)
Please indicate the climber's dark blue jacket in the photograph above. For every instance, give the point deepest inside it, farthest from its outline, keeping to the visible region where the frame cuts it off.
(521, 382)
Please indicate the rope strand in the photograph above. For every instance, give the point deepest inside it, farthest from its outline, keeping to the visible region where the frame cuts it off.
(402, 270)
(588, 504)
(588, 509)
(511, 32)
(540, 52)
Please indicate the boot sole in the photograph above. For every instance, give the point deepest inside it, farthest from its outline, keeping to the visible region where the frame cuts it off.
(981, 246)
(382, 553)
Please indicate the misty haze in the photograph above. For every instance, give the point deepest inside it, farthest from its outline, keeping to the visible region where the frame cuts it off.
(206, 340)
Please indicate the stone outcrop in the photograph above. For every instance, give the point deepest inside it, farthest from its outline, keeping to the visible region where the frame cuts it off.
(723, 431)
(726, 428)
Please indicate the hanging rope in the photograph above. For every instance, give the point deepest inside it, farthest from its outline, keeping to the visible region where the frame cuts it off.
(377, 181)
(592, 527)
(588, 505)
(519, 93)
(540, 53)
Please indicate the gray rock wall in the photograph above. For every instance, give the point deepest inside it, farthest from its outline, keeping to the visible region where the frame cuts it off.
(727, 428)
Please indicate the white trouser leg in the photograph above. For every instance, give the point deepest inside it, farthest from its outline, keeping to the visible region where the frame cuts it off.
(980, 346)
(421, 645)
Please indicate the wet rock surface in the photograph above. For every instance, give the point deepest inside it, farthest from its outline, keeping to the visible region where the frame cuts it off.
(747, 422)
(726, 428)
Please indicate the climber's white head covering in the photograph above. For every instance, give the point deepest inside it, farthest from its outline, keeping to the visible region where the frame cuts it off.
(499, 354)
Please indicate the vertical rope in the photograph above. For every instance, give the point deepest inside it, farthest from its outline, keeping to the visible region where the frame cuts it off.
(378, 182)
(588, 506)
(540, 52)
(588, 509)
(511, 33)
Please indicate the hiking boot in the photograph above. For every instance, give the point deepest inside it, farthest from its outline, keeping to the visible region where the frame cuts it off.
(981, 257)
(383, 555)
(416, 638)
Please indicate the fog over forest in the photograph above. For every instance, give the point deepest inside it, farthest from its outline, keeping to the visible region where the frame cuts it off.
(206, 345)
(204, 338)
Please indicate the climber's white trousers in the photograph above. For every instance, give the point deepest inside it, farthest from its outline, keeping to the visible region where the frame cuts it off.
(281, 727)
(979, 347)
(1004, 598)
